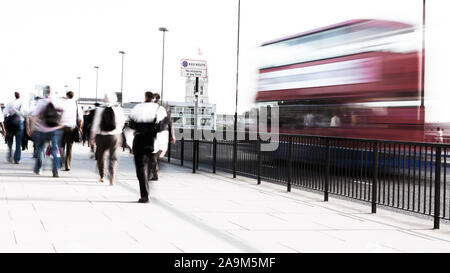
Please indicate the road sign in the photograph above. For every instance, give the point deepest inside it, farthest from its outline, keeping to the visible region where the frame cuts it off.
(194, 73)
(194, 68)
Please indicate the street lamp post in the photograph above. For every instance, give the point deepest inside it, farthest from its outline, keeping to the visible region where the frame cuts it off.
(96, 83)
(121, 81)
(79, 87)
(237, 85)
(163, 29)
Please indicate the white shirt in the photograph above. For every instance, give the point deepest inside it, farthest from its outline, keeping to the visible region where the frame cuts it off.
(33, 105)
(335, 121)
(69, 116)
(14, 107)
(147, 111)
(120, 121)
(2, 118)
(309, 119)
(161, 142)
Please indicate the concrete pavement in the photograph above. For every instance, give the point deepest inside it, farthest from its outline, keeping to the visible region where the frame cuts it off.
(189, 213)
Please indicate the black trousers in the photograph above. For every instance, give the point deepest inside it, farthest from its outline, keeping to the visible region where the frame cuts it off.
(144, 170)
(153, 166)
(66, 147)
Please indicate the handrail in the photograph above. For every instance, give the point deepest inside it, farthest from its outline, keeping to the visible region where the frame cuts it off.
(405, 175)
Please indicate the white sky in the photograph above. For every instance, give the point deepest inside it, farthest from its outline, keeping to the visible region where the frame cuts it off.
(54, 41)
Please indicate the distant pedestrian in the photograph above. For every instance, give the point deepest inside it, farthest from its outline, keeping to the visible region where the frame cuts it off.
(46, 125)
(161, 140)
(167, 123)
(28, 125)
(157, 98)
(335, 121)
(145, 119)
(106, 134)
(310, 120)
(2, 126)
(88, 123)
(72, 120)
(14, 123)
(86, 126)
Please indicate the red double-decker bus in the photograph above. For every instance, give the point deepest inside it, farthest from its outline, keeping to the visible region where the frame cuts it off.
(359, 79)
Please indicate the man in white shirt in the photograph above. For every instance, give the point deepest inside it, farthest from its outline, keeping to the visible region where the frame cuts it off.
(70, 119)
(14, 119)
(106, 139)
(145, 119)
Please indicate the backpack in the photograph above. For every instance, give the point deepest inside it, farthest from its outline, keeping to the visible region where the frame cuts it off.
(108, 121)
(51, 117)
(12, 123)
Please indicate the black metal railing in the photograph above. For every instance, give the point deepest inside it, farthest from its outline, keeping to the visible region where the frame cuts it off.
(403, 175)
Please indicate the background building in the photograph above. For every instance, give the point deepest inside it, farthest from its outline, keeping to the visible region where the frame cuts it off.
(183, 115)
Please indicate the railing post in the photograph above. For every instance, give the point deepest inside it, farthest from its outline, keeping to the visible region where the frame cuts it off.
(289, 164)
(437, 188)
(235, 154)
(197, 153)
(194, 155)
(375, 178)
(214, 154)
(327, 171)
(168, 150)
(259, 160)
(182, 151)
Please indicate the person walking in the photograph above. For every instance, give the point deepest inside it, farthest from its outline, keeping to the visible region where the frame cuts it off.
(14, 122)
(145, 119)
(2, 126)
(46, 125)
(106, 134)
(72, 120)
(161, 141)
(28, 124)
(88, 128)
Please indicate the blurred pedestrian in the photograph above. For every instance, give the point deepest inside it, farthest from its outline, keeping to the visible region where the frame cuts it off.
(88, 123)
(72, 120)
(161, 141)
(28, 124)
(14, 123)
(145, 119)
(86, 126)
(106, 134)
(335, 121)
(156, 98)
(2, 126)
(46, 124)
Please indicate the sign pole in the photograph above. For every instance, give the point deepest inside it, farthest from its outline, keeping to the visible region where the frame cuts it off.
(194, 159)
(197, 69)
(196, 106)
